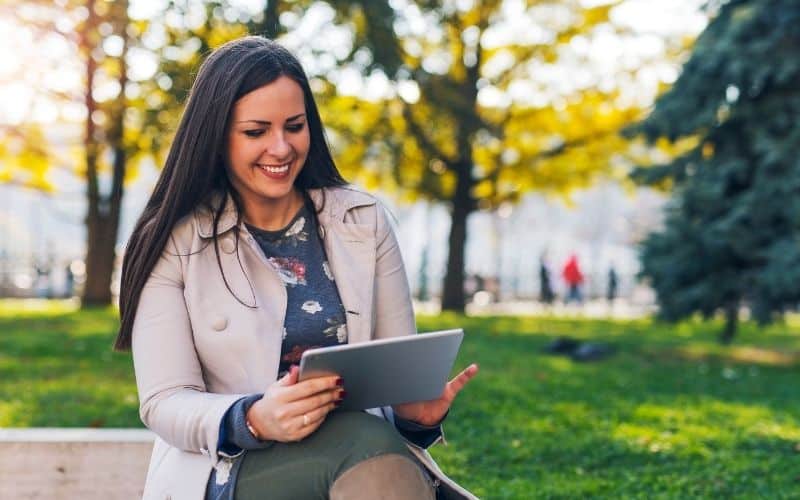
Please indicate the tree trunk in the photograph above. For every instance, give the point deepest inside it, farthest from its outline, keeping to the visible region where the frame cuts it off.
(102, 230)
(103, 212)
(272, 25)
(731, 322)
(469, 122)
(100, 255)
(453, 293)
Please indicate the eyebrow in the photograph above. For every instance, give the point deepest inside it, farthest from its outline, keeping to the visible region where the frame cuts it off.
(264, 122)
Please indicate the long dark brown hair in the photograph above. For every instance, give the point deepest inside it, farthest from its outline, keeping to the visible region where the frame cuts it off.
(195, 167)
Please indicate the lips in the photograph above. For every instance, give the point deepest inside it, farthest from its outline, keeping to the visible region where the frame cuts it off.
(274, 171)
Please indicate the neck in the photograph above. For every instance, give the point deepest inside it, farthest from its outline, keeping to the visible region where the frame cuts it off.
(272, 215)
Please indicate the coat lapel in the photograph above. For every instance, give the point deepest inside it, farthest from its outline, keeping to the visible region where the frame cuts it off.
(350, 247)
(349, 244)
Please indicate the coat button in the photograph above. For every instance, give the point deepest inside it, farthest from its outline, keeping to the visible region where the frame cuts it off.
(219, 323)
(227, 244)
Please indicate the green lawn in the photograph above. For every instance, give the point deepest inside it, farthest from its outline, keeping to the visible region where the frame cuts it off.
(670, 415)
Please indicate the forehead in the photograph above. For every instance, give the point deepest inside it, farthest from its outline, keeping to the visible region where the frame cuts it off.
(274, 101)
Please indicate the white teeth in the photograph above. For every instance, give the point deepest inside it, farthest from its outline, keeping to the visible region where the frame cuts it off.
(275, 170)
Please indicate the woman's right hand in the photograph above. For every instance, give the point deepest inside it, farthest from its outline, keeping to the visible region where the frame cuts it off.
(291, 410)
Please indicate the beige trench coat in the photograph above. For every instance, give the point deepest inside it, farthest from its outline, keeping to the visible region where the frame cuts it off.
(196, 349)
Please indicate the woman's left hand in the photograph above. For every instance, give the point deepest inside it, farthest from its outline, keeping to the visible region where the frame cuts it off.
(433, 411)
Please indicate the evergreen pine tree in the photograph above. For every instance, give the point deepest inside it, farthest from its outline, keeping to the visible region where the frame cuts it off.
(732, 230)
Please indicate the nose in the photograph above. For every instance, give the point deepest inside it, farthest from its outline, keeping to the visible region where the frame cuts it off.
(277, 146)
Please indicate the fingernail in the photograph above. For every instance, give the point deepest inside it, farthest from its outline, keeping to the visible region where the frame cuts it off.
(342, 395)
(339, 381)
(337, 402)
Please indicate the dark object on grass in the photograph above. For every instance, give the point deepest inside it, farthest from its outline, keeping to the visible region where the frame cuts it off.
(563, 345)
(592, 352)
(579, 351)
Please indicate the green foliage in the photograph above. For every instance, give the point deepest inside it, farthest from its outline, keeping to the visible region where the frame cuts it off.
(671, 415)
(732, 233)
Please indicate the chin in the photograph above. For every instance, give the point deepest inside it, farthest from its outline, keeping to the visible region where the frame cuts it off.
(276, 192)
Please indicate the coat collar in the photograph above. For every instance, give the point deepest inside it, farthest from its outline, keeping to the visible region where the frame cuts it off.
(335, 202)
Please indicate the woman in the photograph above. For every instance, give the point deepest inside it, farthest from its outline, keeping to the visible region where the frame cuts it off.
(251, 249)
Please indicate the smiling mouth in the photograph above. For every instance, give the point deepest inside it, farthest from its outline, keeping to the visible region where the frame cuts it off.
(275, 169)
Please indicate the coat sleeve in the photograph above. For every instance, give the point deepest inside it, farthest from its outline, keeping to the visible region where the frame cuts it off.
(173, 399)
(394, 312)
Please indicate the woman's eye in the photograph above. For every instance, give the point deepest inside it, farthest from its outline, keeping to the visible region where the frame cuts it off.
(253, 133)
(295, 128)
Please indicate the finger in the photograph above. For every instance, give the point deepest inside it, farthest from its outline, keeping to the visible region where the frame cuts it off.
(315, 417)
(460, 380)
(307, 423)
(310, 387)
(315, 401)
(290, 378)
(282, 389)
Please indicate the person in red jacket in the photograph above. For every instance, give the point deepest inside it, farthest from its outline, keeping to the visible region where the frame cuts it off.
(574, 278)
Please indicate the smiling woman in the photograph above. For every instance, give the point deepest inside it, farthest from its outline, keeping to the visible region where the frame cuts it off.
(268, 146)
(251, 250)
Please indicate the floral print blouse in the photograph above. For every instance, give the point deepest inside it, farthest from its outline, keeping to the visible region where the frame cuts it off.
(315, 316)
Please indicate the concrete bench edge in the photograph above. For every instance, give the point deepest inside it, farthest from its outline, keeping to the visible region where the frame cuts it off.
(74, 435)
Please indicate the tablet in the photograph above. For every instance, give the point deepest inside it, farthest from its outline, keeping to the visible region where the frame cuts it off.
(387, 371)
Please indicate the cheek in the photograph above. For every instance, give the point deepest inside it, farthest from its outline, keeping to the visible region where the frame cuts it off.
(241, 152)
(303, 143)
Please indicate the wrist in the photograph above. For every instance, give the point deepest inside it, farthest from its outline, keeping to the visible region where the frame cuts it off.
(406, 412)
(250, 427)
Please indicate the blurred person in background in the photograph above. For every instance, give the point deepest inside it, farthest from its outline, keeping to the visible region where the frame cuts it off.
(574, 278)
(252, 249)
(546, 294)
(613, 284)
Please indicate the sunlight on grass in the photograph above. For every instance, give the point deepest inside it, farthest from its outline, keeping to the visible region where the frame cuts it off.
(745, 354)
(749, 354)
(702, 427)
(653, 439)
(10, 308)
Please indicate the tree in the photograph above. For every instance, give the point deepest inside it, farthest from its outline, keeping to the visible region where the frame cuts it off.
(472, 123)
(131, 121)
(98, 32)
(127, 119)
(732, 231)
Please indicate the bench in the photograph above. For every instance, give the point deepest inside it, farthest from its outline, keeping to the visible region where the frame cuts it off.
(67, 464)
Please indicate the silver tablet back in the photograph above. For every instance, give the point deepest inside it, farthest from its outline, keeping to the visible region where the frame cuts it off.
(387, 371)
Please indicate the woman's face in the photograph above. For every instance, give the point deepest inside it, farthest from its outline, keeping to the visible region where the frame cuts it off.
(268, 142)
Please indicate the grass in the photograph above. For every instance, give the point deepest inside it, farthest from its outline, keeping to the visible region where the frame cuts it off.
(671, 415)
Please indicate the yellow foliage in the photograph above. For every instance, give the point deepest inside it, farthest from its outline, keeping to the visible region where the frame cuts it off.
(225, 32)
(25, 160)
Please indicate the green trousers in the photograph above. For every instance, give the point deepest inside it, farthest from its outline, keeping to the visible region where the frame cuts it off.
(307, 469)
